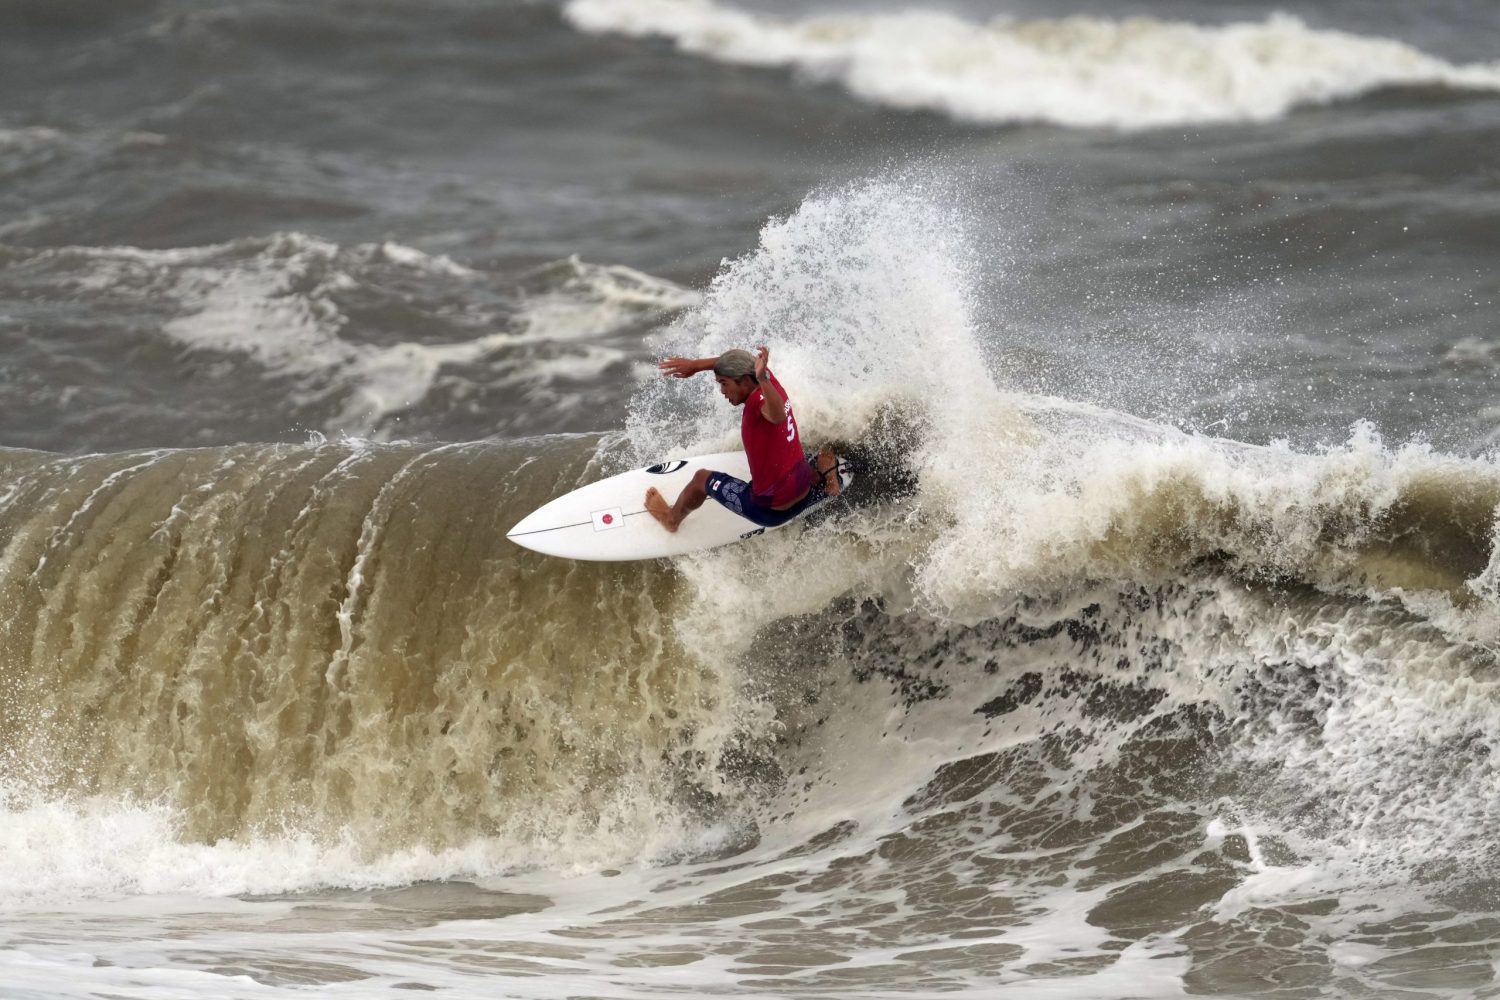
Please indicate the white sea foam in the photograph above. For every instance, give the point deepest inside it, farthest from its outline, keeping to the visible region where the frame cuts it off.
(861, 295)
(580, 299)
(1075, 71)
(57, 850)
(1100, 498)
(282, 303)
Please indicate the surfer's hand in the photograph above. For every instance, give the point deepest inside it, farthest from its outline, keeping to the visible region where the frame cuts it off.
(762, 358)
(679, 367)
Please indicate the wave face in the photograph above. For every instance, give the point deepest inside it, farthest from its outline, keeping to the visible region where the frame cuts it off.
(1057, 695)
(1081, 72)
(336, 642)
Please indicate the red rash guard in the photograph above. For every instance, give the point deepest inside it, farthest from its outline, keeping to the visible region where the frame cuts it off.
(779, 473)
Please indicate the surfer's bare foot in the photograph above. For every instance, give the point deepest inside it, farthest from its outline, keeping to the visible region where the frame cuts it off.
(828, 468)
(657, 506)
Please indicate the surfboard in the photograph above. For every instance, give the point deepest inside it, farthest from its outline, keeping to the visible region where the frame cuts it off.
(607, 521)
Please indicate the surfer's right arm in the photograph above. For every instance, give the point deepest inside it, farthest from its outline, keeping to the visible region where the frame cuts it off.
(686, 367)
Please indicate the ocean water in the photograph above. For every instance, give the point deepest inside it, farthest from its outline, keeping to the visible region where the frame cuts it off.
(1156, 651)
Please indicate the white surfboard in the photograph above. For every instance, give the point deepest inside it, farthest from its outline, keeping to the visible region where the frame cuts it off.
(607, 521)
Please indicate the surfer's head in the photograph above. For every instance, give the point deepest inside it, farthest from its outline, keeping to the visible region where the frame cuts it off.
(735, 373)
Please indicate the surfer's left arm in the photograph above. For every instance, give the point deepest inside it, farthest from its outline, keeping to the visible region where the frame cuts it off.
(773, 405)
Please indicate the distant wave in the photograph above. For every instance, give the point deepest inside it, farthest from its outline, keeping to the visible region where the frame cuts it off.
(333, 318)
(1075, 71)
(27, 138)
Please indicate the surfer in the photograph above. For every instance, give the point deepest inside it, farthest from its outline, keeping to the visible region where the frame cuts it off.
(783, 481)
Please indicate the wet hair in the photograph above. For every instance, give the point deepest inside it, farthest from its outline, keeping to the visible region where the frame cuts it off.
(735, 364)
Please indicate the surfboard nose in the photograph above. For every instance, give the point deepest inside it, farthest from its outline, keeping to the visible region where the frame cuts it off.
(535, 521)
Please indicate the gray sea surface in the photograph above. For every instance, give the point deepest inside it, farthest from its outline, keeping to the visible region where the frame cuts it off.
(1153, 654)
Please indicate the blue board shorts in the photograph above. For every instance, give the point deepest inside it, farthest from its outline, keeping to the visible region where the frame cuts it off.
(735, 495)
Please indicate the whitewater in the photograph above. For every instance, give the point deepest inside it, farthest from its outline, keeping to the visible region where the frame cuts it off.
(1079, 71)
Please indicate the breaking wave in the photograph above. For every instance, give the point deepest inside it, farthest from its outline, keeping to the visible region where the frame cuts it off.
(1034, 630)
(1077, 71)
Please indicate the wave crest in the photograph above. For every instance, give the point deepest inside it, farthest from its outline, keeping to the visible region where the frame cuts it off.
(1076, 71)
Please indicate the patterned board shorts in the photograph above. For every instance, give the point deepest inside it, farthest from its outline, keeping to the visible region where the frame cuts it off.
(735, 495)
